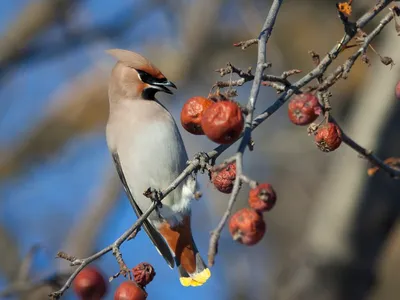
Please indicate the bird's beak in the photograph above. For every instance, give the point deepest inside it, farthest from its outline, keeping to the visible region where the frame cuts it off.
(163, 86)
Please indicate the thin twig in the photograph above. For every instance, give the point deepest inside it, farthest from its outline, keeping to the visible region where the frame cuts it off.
(367, 154)
(261, 65)
(215, 235)
(320, 69)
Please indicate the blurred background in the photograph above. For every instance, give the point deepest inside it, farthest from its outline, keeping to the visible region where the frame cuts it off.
(333, 233)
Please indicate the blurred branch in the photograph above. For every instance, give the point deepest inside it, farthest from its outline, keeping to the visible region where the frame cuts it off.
(84, 233)
(367, 154)
(21, 287)
(82, 107)
(26, 264)
(80, 241)
(84, 104)
(10, 256)
(120, 23)
(36, 17)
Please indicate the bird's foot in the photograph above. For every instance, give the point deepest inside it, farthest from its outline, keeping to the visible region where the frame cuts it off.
(155, 195)
(205, 162)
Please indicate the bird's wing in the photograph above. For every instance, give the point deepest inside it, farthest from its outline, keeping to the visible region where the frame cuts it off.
(153, 234)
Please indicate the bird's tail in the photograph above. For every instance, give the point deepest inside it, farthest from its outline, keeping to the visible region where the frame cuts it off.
(196, 278)
(191, 267)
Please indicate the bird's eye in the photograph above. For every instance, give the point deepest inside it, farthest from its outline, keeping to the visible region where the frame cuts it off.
(144, 76)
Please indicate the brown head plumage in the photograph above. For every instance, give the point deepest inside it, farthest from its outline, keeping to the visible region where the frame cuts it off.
(134, 76)
(136, 61)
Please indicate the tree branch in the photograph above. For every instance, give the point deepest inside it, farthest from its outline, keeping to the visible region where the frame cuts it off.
(261, 65)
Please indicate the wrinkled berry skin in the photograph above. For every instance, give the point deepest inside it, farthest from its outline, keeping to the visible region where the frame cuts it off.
(247, 226)
(328, 137)
(143, 274)
(223, 122)
(262, 198)
(303, 109)
(224, 179)
(397, 90)
(129, 290)
(90, 284)
(192, 113)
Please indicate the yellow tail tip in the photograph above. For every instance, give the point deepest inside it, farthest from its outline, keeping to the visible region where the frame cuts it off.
(197, 279)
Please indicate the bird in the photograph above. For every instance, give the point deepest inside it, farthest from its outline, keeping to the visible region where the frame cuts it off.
(148, 152)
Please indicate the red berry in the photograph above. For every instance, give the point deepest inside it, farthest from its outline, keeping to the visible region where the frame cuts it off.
(223, 122)
(143, 274)
(328, 137)
(90, 284)
(192, 112)
(397, 90)
(247, 226)
(262, 198)
(129, 290)
(224, 179)
(303, 109)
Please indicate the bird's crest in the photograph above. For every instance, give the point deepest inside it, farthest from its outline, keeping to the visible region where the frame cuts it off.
(136, 61)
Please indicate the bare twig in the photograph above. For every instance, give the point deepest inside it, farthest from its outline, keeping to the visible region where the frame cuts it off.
(213, 248)
(231, 69)
(368, 154)
(246, 44)
(278, 82)
(367, 41)
(321, 68)
(261, 65)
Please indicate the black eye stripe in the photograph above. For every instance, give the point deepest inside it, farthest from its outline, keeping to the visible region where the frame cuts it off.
(147, 78)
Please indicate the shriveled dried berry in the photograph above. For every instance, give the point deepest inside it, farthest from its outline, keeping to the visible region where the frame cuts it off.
(303, 109)
(224, 179)
(192, 113)
(328, 137)
(223, 122)
(262, 198)
(247, 226)
(143, 274)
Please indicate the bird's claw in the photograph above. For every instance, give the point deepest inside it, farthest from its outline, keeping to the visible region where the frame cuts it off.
(154, 195)
(204, 161)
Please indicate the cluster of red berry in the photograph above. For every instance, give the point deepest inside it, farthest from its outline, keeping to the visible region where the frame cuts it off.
(303, 109)
(247, 225)
(90, 284)
(220, 120)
